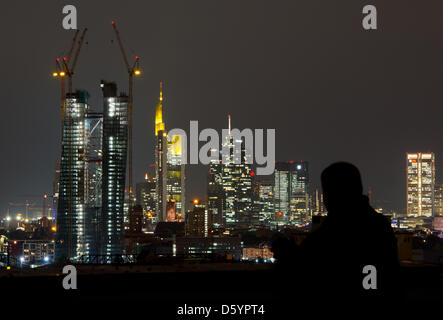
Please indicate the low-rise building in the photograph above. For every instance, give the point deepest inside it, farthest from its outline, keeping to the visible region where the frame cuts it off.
(229, 248)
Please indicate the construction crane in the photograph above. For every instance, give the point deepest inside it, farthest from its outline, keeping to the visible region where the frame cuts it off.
(28, 206)
(44, 197)
(64, 69)
(132, 70)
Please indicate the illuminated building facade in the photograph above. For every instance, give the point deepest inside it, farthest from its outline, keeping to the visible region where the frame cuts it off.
(265, 201)
(438, 199)
(146, 197)
(291, 192)
(71, 202)
(170, 171)
(420, 180)
(175, 175)
(237, 184)
(160, 160)
(37, 252)
(115, 147)
(317, 205)
(261, 251)
(215, 193)
(229, 248)
(93, 181)
(171, 210)
(197, 223)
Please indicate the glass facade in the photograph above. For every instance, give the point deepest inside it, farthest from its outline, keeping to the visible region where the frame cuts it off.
(160, 161)
(266, 202)
(420, 183)
(71, 203)
(170, 171)
(292, 192)
(237, 185)
(215, 192)
(146, 197)
(115, 145)
(175, 175)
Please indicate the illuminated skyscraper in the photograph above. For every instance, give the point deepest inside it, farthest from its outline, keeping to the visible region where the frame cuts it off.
(215, 193)
(170, 171)
(237, 184)
(160, 159)
(175, 175)
(147, 197)
(70, 223)
(291, 191)
(79, 186)
(265, 200)
(420, 183)
(317, 205)
(198, 221)
(115, 147)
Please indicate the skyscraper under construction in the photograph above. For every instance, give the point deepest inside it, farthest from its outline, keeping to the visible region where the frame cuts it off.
(92, 177)
(115, 148)
(80, 180)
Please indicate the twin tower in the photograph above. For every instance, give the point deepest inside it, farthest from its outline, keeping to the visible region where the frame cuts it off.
(91, 192)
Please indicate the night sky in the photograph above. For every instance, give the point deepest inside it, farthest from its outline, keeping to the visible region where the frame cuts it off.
(332, 90)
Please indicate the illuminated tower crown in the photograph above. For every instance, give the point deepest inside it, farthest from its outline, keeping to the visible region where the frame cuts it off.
(159, 124)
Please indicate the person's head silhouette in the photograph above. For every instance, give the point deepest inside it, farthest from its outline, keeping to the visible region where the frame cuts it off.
(342, 187)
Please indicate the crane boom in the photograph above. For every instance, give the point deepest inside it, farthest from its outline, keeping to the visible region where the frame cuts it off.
(120, 44)
(131, 72)
(72, 45)
(74, 63)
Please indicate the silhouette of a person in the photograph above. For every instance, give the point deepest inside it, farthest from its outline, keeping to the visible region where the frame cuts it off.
(352, 236)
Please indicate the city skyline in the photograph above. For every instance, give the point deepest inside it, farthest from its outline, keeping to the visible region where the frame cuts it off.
(197, 158)
(240, 81)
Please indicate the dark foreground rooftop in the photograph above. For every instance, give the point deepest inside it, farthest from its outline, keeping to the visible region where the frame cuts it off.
(161, 289)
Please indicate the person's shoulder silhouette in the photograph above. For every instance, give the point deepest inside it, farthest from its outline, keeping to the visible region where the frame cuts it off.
(352, 236)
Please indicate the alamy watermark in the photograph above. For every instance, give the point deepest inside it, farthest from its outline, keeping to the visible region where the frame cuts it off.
(232, 142)
(70, 280)
(70, 20)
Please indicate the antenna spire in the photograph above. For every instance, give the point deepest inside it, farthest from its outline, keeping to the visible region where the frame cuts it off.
(161, 91)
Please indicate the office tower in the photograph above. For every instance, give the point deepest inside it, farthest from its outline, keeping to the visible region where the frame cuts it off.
(317, 205)
(175, 175)
(197, 221)
(291, 191)
(438, 199)
(265, 199)
(160, 159)
(146, 197)
(70, 218)
(420, 171)
(115, 144)
(237, 183)
(215, 192)
(170, 171)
